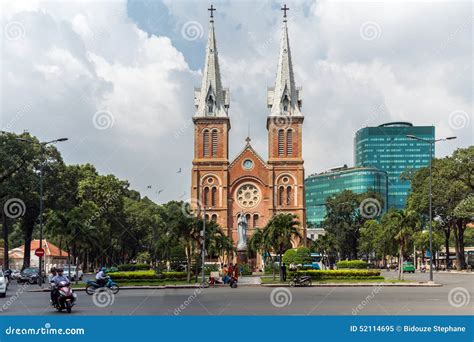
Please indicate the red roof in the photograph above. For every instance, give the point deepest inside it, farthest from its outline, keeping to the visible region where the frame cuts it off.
(49, 248)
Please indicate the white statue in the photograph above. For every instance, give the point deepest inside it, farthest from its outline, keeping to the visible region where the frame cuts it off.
(242, 232)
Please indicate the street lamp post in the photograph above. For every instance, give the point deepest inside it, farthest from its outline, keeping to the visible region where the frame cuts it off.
(431, 142)
(203, 242)
(42, 146)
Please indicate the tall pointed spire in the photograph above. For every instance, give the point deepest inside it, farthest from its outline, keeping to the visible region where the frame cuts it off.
(284, 98)
(211, 99)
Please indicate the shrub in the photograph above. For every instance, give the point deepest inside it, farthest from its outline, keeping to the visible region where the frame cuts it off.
(210, 268)
(340, 274)
(132, 275)
(133, 267)
(353, 264)
(246, 270)
(147, 275)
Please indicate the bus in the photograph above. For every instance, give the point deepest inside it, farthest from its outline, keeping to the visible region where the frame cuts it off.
(316, 262)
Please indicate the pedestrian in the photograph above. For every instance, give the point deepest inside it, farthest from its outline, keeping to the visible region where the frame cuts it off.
(283, 271)
(241, 270)
(225, 277)
(231, 270)
(236, 272)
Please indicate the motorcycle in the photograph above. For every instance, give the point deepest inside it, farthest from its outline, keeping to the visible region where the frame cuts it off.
(233, 282)
(300, 281)
(65, 299)
(423, 269)
(92, 286)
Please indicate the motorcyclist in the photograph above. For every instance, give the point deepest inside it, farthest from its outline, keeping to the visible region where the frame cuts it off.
(56, 280)
(52, 285)
(60, 277)
(101, 277)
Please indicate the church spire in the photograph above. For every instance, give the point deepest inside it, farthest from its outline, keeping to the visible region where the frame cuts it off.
(211, 99)
(284, 98)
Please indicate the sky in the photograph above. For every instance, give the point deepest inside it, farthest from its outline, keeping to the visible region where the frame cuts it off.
(117, 77)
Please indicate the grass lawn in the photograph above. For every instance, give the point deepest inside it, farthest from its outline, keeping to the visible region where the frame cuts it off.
(142, 283)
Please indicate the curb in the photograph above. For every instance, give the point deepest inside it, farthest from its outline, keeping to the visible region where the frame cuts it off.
(361, 285)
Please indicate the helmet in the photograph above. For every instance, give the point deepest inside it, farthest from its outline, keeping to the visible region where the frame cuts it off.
(59, 270)
(53, 269)
(103, 269)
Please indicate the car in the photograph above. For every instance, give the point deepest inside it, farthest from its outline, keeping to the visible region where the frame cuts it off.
(408, 267)
(12, 273)
(3, 284)
(75, 272)
(29, 275)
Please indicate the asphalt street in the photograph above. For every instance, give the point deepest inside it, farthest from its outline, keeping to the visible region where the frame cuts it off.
(455, 297)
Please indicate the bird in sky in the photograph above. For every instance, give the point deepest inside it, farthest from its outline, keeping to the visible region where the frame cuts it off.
(179, 171)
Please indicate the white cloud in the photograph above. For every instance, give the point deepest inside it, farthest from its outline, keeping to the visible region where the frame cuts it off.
(79, 58)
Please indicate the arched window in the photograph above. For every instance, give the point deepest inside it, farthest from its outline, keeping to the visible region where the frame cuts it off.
(214, 142)
(206, 217)
(206, 196)
(281, 192)
(281, 143)
(205, 143)
(214, 218)
(255, 220)
(288, 195)
(248, 219)
(214, 196)
(289, 142)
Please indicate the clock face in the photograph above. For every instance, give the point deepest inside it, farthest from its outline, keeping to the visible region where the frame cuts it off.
(248, 164)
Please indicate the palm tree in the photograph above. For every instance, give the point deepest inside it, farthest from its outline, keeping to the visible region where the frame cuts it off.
(405, 223)
(279, 233)
(258, 245)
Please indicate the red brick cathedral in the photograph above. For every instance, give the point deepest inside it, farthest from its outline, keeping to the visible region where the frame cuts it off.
(247, 184)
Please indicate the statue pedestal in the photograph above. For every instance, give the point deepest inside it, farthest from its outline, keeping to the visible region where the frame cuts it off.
(242, 257)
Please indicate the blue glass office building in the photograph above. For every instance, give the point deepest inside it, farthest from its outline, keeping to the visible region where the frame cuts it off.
(387, 148)
(319, 187)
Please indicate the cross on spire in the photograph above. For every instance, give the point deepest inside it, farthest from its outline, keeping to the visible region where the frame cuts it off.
(284, 9)
(212, 9)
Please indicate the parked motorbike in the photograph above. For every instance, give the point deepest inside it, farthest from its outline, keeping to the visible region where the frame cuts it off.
(65, 299)
(300, 280)
(92, 286)
(233, 282)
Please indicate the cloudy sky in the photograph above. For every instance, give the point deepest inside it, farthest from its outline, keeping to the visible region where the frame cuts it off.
(117, 77)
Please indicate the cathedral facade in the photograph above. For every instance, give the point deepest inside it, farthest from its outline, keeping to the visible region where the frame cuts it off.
(248, 185)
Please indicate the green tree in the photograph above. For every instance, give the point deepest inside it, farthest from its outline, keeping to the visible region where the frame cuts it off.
(280, 232)
(453, 181)
(346, 212)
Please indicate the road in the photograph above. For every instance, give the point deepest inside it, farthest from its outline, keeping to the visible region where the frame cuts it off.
(258, 300)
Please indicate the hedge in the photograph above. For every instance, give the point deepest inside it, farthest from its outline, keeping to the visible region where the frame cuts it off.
(340, 274)
(133, 267)
(357, 264)
(147, 275)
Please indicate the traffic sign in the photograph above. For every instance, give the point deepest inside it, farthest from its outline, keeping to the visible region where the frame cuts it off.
(39, 252)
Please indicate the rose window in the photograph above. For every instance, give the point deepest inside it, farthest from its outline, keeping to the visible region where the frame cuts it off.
(248, 196)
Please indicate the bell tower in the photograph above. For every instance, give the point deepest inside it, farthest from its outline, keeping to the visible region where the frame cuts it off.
(285, 128)
(211, 137)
